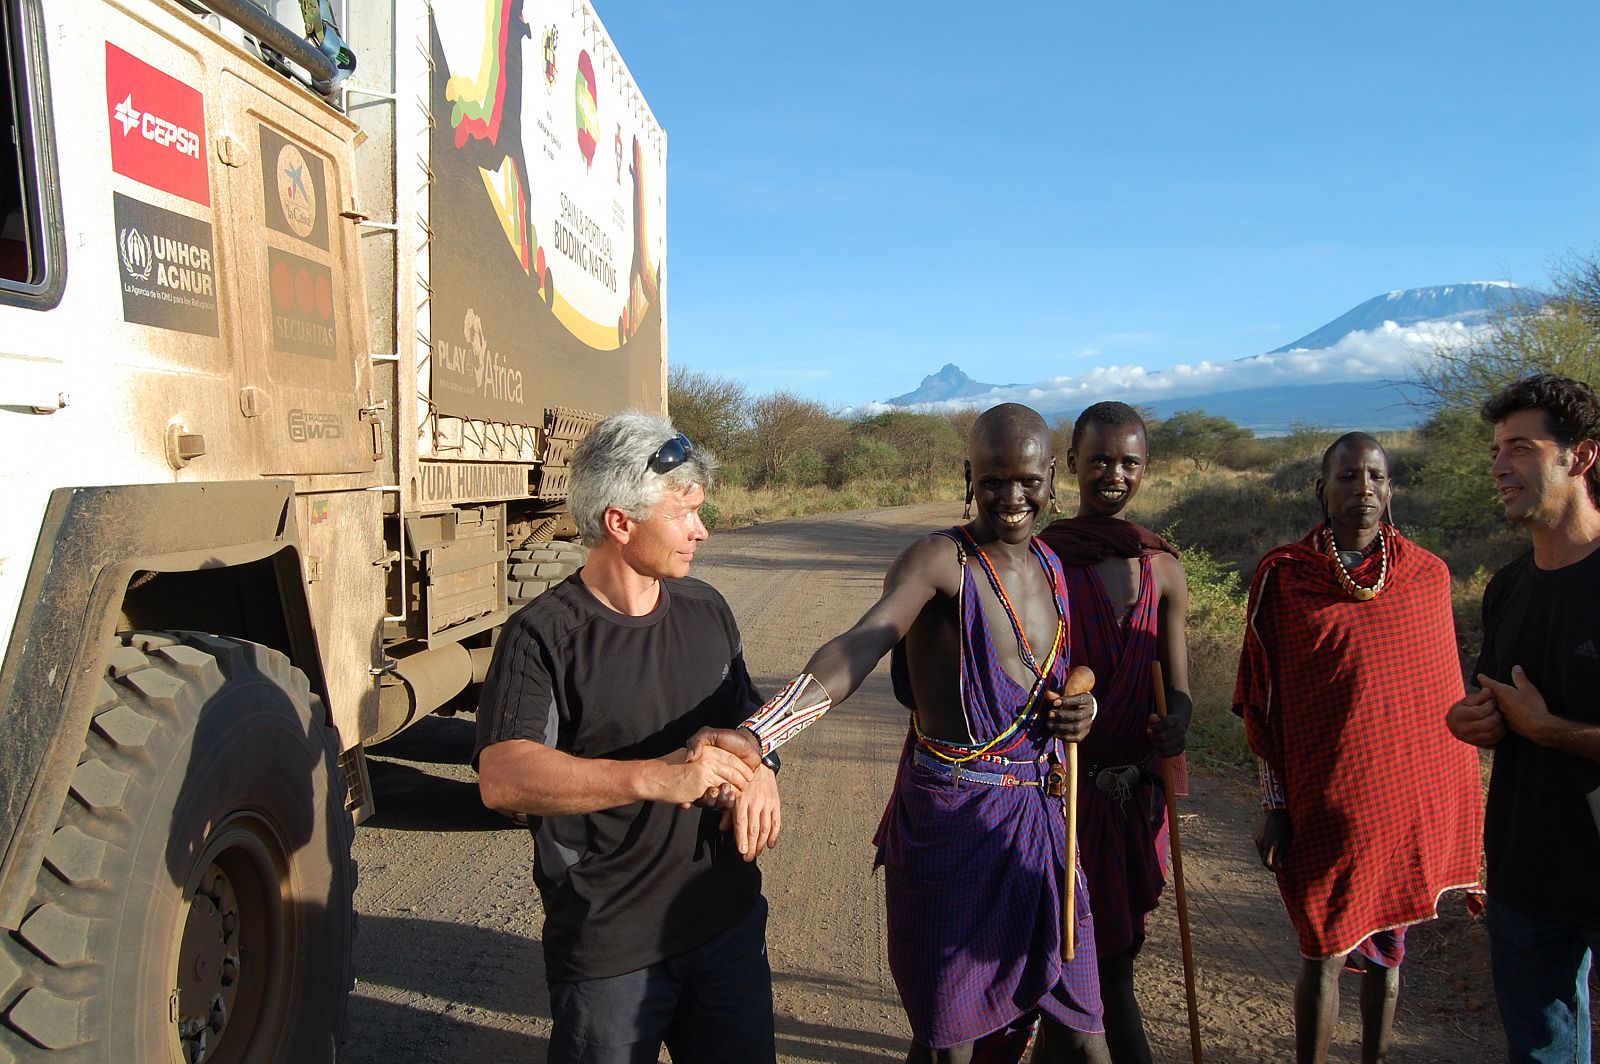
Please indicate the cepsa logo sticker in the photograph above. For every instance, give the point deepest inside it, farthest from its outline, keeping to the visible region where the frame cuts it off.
(157, 126)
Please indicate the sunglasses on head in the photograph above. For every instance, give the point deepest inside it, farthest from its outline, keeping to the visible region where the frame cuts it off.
(671, 455)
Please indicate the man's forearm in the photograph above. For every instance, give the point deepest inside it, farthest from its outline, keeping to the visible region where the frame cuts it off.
(844, 661)
(1569, 737)
(832, 674)
(800, 704)
(520, 776)
(1180, 705)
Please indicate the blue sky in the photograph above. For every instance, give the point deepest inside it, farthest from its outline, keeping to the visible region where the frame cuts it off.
(859, 193)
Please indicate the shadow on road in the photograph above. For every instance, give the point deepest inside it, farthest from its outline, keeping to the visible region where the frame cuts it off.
(410, 799)
(799, 1040)
(422, 781)
(430, 1037)
(470, 967)
(434, 740)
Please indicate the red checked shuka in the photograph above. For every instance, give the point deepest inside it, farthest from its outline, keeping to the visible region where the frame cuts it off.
(1344, 699)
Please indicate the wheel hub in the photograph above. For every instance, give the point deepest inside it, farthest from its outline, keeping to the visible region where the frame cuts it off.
(208, 964)
(230, 971)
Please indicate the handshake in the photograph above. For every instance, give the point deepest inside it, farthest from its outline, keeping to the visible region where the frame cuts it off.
(714, 767)
(720, 768)
(723, 761)
(726, 768)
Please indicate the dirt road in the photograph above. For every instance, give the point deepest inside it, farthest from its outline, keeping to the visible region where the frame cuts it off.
(448, 959)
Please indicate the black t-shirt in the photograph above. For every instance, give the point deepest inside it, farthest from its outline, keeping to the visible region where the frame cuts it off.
(628, 887)
(1539, 828)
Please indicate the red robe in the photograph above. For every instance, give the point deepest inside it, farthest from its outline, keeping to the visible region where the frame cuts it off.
(1345, 701)
(1123, 838)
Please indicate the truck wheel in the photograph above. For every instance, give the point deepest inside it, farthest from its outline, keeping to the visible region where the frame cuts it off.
(195, 903)
(535, 570)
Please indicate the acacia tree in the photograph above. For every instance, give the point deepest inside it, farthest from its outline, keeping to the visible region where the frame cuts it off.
(782, 425)
(1196, 435)
(713, 411)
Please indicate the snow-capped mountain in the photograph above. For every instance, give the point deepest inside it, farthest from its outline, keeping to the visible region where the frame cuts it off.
(1355, 371)
(1469, 303)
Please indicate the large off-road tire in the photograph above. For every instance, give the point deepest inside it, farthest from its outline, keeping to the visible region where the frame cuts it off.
(536, 569)
(196, 898)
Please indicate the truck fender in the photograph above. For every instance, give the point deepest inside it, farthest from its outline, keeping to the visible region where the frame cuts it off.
(93, 543)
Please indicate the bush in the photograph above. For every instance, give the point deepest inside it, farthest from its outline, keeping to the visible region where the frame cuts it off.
(1252, 455)
(1237, 522)
(1298, 476)
(1216, 632)
(712, 411)
(871, 459)
(929, 446)
(804, 468)
(1455, 493)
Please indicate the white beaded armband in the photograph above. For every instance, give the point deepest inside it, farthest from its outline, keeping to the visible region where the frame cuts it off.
(791, 711)
(1273, 795)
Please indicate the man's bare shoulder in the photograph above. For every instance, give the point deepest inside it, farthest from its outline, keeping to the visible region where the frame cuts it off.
(933, 561)
(1170, 577)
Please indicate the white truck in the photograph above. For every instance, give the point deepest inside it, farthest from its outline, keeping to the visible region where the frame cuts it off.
(291, 367)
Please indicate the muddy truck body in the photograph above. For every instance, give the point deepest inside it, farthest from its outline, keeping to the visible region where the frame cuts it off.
(292, 364)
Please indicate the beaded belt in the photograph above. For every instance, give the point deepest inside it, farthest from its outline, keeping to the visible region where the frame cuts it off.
(957, 773)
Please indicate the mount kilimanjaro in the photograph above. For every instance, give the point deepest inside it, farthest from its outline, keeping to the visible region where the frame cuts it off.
(1368, 352)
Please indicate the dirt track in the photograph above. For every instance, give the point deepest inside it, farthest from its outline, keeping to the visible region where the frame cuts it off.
(448, 959)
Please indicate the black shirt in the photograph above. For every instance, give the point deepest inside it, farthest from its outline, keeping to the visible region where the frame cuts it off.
(1539, 829)
(628, 887)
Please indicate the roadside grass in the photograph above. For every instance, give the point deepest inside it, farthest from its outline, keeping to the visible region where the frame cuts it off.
(732, 505)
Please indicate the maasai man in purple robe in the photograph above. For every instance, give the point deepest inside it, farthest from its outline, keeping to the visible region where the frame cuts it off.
(1129, 599)
(973, 840)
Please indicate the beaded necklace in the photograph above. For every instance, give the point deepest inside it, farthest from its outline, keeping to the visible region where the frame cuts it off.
(1355, 591)
(960, 753)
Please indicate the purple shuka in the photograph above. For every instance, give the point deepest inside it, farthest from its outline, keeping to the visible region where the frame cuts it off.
(974, 870)
(1122, 830)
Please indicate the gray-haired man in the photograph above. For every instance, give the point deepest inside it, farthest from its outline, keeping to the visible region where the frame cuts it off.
(655, 929)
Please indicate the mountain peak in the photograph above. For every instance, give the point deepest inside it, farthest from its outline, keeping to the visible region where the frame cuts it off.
(1470, 302)
(949, 383)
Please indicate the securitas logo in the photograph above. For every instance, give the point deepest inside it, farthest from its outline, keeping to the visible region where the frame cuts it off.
(157, 126)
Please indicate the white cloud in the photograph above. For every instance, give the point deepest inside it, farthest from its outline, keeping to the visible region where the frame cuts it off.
(1386, 353)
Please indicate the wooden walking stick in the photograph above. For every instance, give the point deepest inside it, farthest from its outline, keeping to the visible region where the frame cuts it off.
(1177, 877)
(1080, 681)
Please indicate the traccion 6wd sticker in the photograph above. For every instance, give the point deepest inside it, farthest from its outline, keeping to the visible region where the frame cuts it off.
(157, 126)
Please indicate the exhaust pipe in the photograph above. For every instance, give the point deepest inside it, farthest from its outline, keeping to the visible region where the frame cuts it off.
(419, 684)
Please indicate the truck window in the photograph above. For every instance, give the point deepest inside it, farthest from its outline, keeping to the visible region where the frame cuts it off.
(32, 263)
